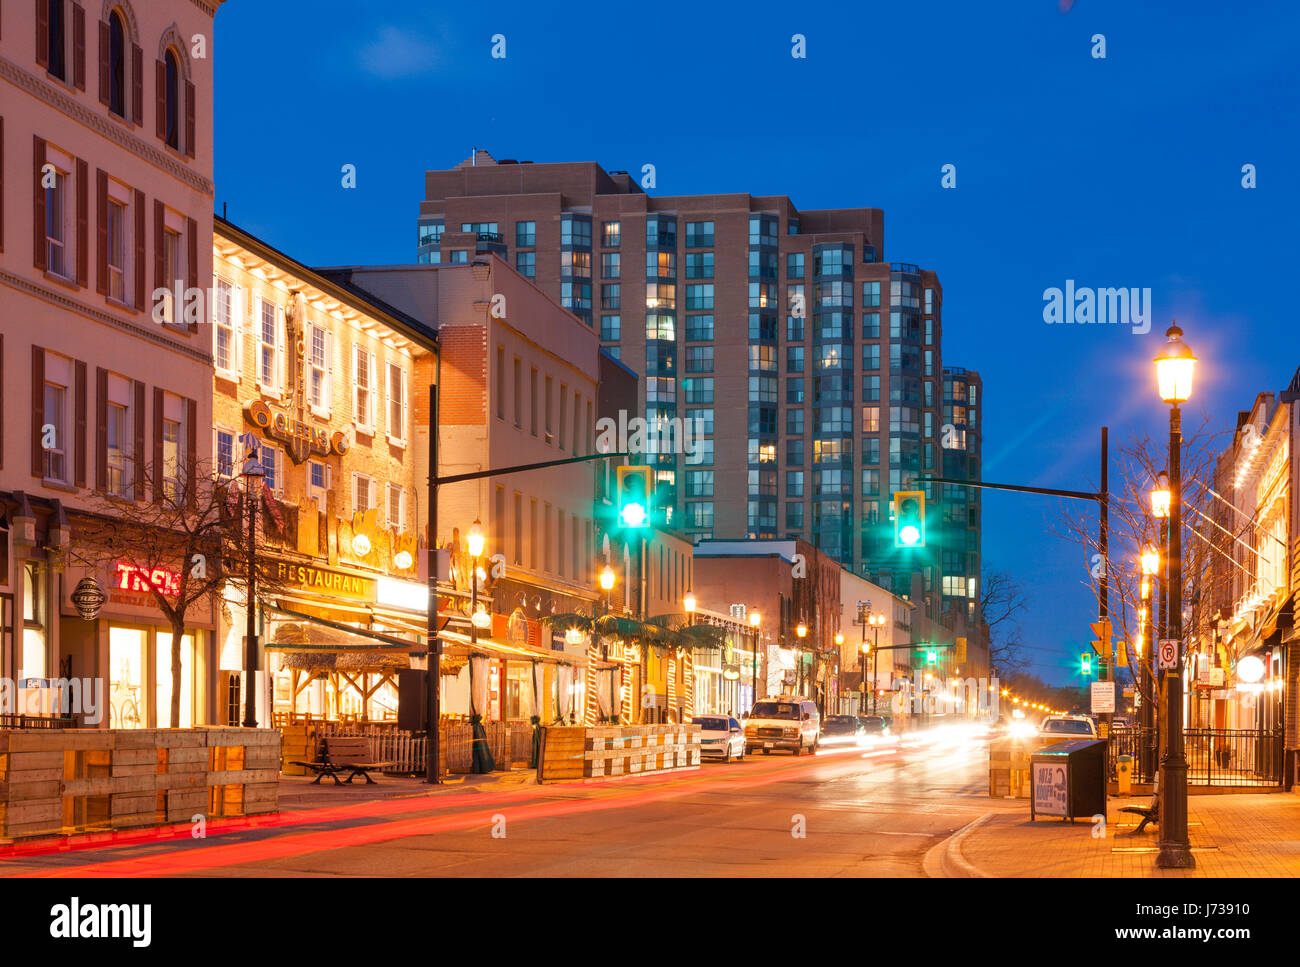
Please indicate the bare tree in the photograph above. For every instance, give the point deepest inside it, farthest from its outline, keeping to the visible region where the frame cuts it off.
(183, 545)
(1134, 529)
(1002, 599)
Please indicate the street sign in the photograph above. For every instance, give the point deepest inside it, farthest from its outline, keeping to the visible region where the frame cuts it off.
(1103, 697)
(1168, 655)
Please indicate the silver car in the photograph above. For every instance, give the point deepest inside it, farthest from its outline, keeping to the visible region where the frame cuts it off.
(721, 737)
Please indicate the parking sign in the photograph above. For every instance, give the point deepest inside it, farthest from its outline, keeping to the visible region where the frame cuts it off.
(1168, 656)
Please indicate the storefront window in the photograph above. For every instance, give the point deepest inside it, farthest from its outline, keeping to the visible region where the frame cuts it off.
(519, 691)
(163, 708)
(34, 665)
(126, 662)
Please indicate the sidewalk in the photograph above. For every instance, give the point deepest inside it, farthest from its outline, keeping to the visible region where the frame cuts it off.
(1232, 835)
(300, 792)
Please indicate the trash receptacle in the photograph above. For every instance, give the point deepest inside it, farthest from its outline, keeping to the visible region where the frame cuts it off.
(1124, 773)
(1068, 779)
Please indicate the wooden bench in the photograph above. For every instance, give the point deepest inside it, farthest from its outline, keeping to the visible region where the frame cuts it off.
(343, 753)
(1149, 814)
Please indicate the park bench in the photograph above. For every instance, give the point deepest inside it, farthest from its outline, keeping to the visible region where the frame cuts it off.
(1149, 814)
(340, 754)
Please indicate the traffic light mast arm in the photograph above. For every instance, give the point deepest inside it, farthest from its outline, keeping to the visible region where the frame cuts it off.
(500, 471)
(1048, 491)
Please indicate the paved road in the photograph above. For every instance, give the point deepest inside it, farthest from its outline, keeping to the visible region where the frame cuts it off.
(851, 812)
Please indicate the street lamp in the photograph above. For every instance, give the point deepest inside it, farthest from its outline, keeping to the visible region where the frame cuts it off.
(474, 542)
(253, 474)
(688, 603)
(1175, 367)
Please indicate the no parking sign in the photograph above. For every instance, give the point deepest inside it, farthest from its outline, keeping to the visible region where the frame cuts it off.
(1168, 656)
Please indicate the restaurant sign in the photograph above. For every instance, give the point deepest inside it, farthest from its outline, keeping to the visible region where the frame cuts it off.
(334, 583)
(128, 577)
(300, 439)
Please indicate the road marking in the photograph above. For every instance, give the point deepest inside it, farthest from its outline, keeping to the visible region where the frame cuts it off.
(937, 857)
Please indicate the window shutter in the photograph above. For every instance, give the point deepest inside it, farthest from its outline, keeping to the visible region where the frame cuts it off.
(281, 363)
(137, 85)
(373, 419)
(43, 33)
(192, 268)
(141, 278)
(101, 231)
(237, 325)
(39, 251)
(2, 184)
(160, 99)
(391, 430)
(83, 223)
(191, 452)
(79, 437)
(357, 415)
(104, 55)
(329, 371)
(2, 400)
(101, 429)
(38, 411)
(189, 119)
(78, 47)
(405, 399)
(137, 449)
(158, 469)
(159, 263)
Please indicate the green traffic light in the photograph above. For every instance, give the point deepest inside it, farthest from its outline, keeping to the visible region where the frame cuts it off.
(909, 534)
(633, 515)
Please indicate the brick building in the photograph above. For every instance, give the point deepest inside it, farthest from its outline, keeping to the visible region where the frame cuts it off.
(105, 391)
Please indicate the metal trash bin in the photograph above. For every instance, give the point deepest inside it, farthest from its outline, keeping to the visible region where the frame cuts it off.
(1068, 779)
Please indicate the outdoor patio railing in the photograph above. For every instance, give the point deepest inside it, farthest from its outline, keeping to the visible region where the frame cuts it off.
(1215, 757)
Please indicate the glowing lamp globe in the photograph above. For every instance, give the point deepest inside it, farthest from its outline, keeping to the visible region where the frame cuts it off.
(1175, 366)
(474, 541)
(606, 578)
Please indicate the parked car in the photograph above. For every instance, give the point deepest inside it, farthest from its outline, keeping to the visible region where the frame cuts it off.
(875, 724)
(721, 737)
(1069, 727)
(786, 722)
(842, 729)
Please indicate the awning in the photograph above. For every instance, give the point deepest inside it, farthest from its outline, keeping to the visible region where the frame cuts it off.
(340, 637)
(460, 644)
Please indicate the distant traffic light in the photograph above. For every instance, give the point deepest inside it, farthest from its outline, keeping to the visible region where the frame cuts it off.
(635, 492)
(931, 656)
(1085, 663)
(909, 518)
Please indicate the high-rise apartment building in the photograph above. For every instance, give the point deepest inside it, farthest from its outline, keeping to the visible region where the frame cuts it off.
(809, 367)
(960, 436)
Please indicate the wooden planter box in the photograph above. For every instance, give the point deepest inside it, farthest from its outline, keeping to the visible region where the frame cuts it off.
(78, 780)
(609, 752)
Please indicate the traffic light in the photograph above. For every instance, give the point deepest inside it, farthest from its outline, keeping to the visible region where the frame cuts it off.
(931, 656)
(909, 518)
(635, 493)
(1085, 663)
(1101, 643)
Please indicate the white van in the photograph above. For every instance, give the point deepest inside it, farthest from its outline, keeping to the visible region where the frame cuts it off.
(783, 722)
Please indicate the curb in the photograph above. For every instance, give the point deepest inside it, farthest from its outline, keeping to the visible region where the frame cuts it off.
(945, 859)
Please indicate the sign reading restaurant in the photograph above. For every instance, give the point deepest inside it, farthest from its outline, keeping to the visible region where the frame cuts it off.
(299, 438)
(337, 583)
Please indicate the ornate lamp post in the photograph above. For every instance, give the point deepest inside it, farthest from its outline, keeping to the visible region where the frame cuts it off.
(253, 474)
(1175, 367)
(474, 543)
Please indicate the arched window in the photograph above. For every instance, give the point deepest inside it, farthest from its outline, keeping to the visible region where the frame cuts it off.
(116, 64)
(173, 96)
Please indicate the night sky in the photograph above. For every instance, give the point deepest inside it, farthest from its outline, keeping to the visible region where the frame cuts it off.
(1123, 171)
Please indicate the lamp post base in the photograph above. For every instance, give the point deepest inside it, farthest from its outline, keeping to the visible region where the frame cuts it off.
(1175, 856)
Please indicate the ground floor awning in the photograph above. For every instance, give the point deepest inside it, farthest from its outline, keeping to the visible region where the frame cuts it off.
(458, 644)
(313, 633)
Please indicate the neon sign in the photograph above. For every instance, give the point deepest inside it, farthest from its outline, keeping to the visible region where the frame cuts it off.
(128, 577)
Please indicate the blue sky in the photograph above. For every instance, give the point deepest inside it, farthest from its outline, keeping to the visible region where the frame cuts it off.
(1117, 172)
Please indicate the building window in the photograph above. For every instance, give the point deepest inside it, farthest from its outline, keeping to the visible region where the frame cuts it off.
(611, 264)
(870, 294)
(699, 234)
(703, 420)
(270, 346)
(610, 328)
(611, 296)
(172, 93)
(363, 367)
(699, 265)
(698, 390)
(116, 64)
(610, 234)
(794, 483)
(794, 265)
(173, 459)
(362, 500)
(525, 234)
(223, 343)
(56, 415)
(459, 256)
(871, 325)
(56, 41)
(270, 460)
(699, 359)
(699, 296)
(396, 506)
(526, 264)
(703, 455)
(118, 435)
(318, 368)
(397, 402)
(225, 451)
(173, 272)
(56, 228)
